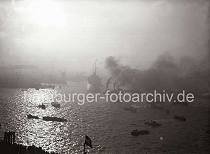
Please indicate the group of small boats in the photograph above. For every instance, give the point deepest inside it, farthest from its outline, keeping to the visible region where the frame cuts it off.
(48, 118)
(54, 104)
(154, 124)
(151, 123)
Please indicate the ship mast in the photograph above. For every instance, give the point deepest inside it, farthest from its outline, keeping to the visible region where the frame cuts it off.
(95, 67)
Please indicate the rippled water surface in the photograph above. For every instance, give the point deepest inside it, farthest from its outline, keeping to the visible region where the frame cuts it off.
(108, 124)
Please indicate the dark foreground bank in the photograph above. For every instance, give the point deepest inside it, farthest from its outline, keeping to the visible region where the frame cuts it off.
(8, 146)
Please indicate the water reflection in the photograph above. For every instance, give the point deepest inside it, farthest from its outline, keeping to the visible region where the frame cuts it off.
(108, 125)
(51, 136)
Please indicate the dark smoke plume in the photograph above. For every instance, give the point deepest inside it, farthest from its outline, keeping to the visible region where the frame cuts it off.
(166, 73)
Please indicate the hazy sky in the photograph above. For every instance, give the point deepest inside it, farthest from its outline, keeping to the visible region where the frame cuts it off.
(70, 35)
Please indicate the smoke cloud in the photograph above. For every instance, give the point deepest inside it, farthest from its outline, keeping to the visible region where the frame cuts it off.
(166, 73)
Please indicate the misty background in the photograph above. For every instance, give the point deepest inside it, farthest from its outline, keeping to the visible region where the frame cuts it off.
(143, 45)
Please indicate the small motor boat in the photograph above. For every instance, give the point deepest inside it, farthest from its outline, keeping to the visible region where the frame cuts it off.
(152, 123)
(131, 109)
(29, 116)
(42, 106)
(139, 132)
(56, 104)
(47, 118)
(180, 118)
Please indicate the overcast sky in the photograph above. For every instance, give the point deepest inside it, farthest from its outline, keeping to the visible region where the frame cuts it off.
(70, 35)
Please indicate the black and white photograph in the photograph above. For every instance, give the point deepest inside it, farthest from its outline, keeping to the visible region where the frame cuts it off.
(104, 76)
